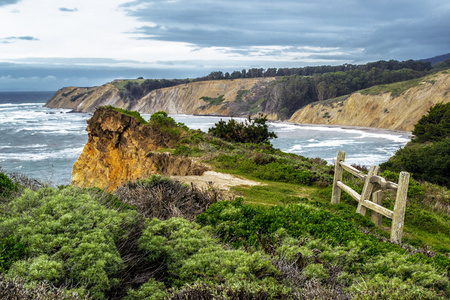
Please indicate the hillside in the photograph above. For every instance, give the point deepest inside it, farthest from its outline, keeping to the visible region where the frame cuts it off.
(396, 106)
(214, 97)
(155, 238)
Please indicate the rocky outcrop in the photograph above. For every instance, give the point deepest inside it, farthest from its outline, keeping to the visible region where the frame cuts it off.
(120, 149)
(380, 111)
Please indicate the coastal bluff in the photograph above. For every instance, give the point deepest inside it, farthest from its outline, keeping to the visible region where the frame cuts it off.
(396, 106)
(121, 149)
(385, 109)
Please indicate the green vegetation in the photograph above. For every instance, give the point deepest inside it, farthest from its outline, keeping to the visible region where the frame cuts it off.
(394, 88)
(251, 131)
(133, 114)
(428, 155)
(213, 101)
(297, 87)
(157, 238)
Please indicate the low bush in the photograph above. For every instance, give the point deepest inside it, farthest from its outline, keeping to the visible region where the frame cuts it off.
(250, 131)
(70, 237)
(6, 186)
(326, 247)
(188, 254)
(161, 197)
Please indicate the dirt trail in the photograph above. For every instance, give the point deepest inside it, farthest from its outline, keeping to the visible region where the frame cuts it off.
(219, 180)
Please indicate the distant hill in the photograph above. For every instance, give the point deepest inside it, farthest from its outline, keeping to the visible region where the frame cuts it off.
(436, 59)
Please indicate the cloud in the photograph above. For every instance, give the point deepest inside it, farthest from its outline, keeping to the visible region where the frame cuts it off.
(11, 39)
(46, 77)
(379, 27)
(64, 9)
(7, 2)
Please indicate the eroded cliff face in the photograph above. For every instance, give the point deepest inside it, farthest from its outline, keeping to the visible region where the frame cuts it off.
(380, 111)
(120, 149)
(180, 99)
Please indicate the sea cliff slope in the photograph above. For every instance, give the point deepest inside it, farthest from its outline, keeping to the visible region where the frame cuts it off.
(383, 107)
(203, 97)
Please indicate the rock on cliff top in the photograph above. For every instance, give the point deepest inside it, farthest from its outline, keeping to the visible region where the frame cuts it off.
(120, 148)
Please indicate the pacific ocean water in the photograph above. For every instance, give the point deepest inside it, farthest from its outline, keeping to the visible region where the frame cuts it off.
(44, 143)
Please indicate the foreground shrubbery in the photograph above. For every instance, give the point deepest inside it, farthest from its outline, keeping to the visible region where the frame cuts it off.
(329, 248)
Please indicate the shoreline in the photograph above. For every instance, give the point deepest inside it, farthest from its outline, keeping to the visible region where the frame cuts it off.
(352, 127)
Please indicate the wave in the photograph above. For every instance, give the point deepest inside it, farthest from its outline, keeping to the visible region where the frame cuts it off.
(23, 156)
(331, 143)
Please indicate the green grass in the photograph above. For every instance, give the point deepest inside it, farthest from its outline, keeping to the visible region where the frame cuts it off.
(395, 89)
(133, 114)
(120, 84)
(213, 101)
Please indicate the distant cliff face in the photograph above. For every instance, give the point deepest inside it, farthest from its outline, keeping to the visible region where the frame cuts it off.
(242, 97)
(400, 112)
(219, 97)
(119, 149)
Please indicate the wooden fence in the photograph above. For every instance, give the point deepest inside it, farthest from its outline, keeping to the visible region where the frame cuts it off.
(373, 186)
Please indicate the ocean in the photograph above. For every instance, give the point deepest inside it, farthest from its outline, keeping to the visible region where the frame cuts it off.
(44, 143)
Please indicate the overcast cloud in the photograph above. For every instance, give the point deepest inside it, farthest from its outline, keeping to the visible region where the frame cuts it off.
(70, 42)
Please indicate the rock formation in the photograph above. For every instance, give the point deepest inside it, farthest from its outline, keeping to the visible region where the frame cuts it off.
(180, 99)
(384, 110)
(120, 148)
(244, 96)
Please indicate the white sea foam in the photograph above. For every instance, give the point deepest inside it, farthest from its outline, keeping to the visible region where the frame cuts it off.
(331, 143)
(26, 156)
(295, 148)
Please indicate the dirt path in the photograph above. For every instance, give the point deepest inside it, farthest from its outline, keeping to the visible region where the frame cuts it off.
(219, 180)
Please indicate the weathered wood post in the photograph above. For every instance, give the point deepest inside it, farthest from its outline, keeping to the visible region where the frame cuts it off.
(367, 189)
(400, 207)
(338, 172)
(376, 217)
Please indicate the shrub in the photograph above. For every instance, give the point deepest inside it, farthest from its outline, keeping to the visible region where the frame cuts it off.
(434, 126)
(167, 126)
(10, 251)
(324, 246)
(161, 197)
(6, 186)
(188, 253)
(251, 131)
(429, 162)
(71, 238)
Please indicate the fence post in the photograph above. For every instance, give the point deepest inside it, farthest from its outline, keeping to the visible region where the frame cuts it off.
(367, 189)
(400, 207)
(376, 217)
(338, 171)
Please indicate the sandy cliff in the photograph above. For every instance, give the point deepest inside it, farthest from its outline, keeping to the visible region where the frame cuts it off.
(119, 148)
(380, 111)
(180, 99)
(240, 97)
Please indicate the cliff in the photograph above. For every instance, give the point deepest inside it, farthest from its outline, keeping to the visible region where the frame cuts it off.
(119, 149)
(396, 106)
(385, 109)
(219, 97)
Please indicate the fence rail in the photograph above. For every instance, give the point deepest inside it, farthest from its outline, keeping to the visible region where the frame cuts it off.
(374, 185)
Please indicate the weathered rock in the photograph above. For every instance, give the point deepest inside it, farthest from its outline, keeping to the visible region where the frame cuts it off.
(400, 112)
(120, 149)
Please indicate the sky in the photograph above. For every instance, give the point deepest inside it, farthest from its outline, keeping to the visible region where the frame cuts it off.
(50, 44)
